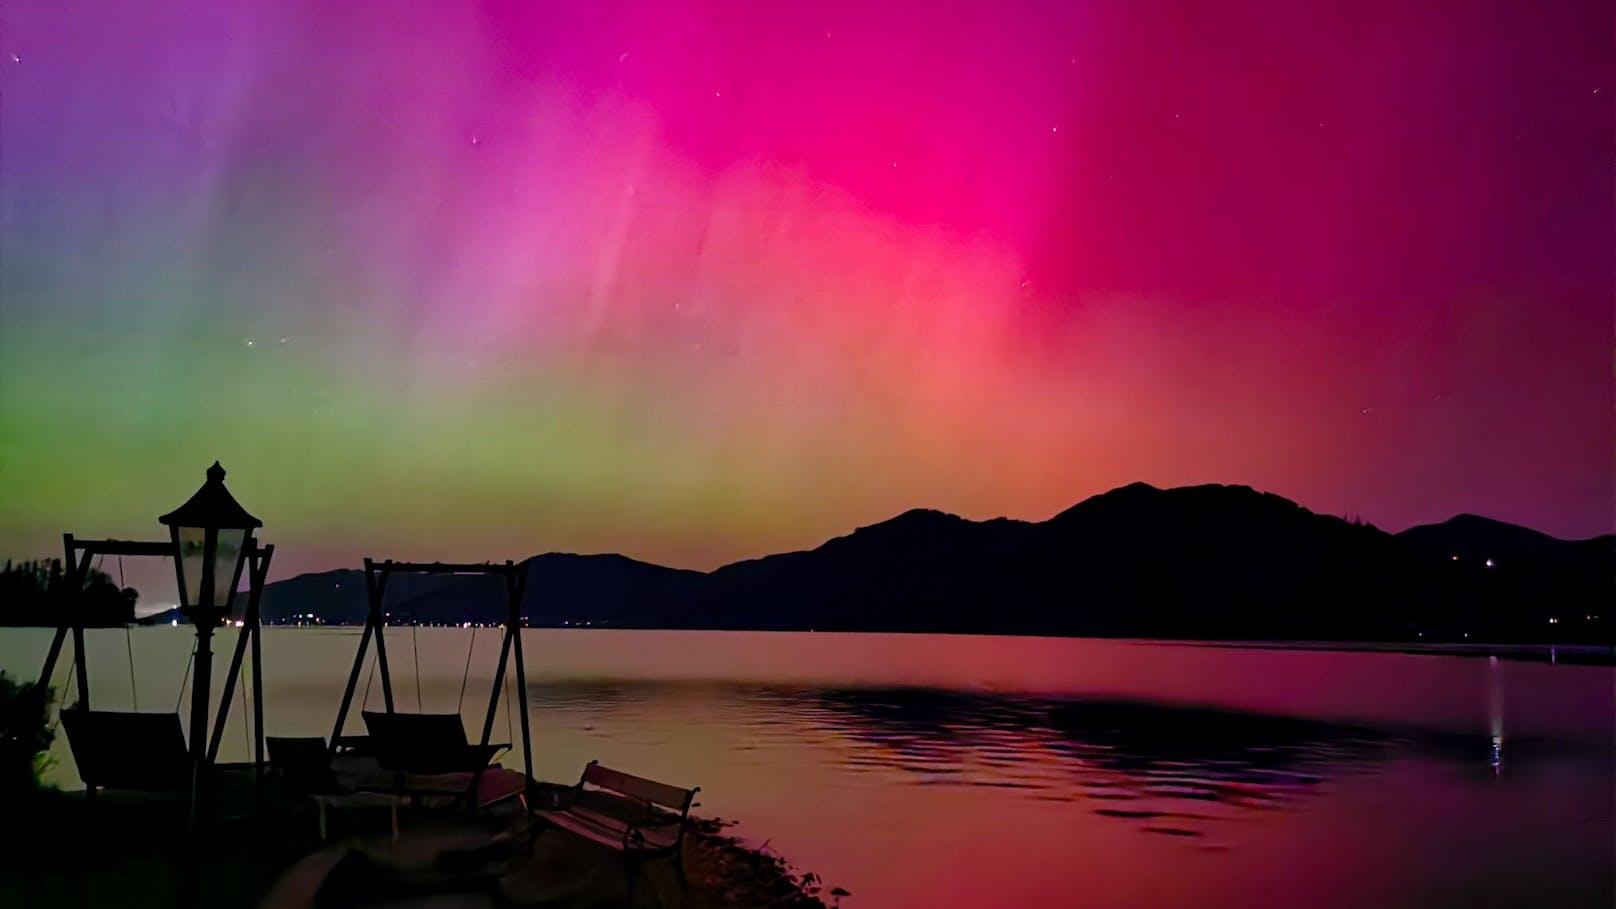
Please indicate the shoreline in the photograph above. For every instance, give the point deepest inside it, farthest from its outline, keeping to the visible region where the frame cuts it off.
(125, 854)
(1579, 653)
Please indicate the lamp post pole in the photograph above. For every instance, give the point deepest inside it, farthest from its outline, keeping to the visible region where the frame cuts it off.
(205, 622)
(212, 536)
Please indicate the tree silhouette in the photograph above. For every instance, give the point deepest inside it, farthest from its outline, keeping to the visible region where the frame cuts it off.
(35, 593)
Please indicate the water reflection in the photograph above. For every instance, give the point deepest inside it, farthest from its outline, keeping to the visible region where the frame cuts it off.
(867, 757)
(1170, 769)
(1165, 769)
(1495, 712)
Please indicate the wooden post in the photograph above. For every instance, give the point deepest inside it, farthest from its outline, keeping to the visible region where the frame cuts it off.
(376, 585)
(228, 694)
(516, 584)
(51, 656)
(256, 628)
(499, 681)
(77, 570)
(63, 623)
(79, 669)
(348, 693)
(257, 570)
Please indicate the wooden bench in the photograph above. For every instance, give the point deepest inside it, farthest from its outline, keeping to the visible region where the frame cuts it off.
(640, 818)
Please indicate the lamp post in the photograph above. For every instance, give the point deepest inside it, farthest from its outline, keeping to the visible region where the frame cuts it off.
(212, 536)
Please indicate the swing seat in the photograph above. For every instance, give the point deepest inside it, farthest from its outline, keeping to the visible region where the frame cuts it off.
(426, 743)
(142, 752)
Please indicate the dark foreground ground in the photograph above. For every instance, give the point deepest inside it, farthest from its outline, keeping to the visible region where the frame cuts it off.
(61, 850)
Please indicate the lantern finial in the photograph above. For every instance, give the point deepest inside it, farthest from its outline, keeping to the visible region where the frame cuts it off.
(212, 506)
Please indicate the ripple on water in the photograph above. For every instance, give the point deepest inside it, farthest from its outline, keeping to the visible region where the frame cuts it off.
(1166, 759)
(1168, 770)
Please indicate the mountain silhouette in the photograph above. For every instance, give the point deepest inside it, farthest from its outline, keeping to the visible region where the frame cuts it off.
(1199, 562)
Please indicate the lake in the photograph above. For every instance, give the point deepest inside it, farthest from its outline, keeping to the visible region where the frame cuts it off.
(934, 770)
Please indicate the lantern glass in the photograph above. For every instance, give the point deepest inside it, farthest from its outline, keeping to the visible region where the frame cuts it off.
(227, 554)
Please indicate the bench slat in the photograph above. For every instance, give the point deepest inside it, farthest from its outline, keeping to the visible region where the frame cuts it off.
(575, 824)
(638, 787)
(608, 830)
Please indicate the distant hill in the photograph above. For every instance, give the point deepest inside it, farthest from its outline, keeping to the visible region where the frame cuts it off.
(607, 589)
(1200, 562)
(1528, 574)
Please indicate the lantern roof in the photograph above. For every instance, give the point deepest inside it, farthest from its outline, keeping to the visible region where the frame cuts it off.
(212, 506)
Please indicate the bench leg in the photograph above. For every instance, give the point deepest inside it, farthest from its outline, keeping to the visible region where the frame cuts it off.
(322, 822)
(679, 869)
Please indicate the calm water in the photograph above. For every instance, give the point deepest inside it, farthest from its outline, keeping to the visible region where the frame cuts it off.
(919, 770)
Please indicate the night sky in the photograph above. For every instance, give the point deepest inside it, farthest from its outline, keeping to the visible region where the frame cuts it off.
(697, 282)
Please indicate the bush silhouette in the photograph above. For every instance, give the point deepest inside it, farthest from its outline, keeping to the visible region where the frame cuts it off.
(25, 736)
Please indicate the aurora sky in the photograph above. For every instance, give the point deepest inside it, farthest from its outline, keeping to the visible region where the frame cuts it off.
(697, 282)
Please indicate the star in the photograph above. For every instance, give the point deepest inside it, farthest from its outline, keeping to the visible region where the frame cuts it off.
(249, 342)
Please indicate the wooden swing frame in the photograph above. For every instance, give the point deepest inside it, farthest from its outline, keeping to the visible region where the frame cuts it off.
(77, 567)
(376, 576)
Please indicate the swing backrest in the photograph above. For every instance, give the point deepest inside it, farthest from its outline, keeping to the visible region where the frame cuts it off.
(137, 751)
(422, 742)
